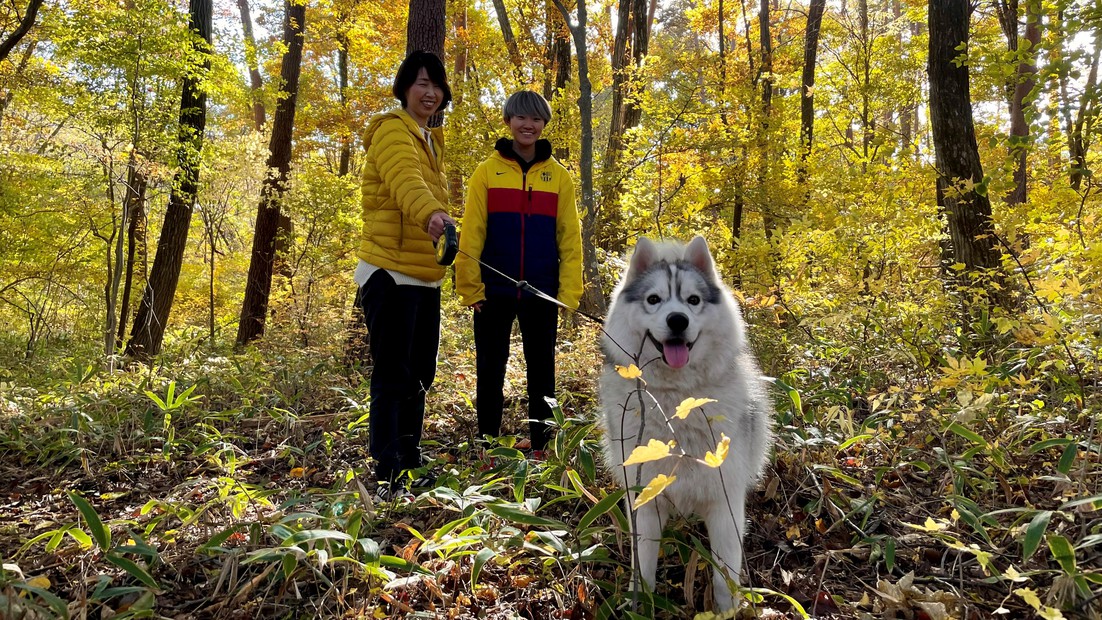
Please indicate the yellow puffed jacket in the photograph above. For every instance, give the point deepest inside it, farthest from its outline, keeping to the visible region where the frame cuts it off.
(403, 185)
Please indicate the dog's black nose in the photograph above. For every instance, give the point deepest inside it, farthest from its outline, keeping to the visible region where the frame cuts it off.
(677, 322)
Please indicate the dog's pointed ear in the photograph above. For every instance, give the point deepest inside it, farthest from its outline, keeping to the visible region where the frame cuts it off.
(699, 256)
(643, 257)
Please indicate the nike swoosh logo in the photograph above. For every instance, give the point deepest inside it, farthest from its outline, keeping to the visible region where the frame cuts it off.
(500, 173)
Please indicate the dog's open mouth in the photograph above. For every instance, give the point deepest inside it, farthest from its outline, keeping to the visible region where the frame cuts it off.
(675, 351)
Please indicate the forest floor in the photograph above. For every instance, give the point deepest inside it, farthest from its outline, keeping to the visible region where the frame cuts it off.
(252, 497)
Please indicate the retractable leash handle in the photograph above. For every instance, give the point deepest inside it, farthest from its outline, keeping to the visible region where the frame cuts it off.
(447, 246)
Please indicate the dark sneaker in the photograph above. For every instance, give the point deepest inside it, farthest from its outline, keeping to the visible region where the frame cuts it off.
(422, 482)
(396, 491)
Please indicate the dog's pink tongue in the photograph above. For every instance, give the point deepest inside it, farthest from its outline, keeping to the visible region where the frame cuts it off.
(675, 354)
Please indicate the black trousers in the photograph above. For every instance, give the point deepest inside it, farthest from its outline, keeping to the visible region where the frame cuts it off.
(493, 325)
(403, 324)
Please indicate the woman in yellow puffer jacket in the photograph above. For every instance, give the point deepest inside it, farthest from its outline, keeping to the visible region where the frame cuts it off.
(405, 209)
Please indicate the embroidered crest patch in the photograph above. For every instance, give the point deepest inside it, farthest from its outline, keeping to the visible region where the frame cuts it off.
(545, 177)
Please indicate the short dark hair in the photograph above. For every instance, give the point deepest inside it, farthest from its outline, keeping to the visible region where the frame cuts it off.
(527, 103)
(411, 66)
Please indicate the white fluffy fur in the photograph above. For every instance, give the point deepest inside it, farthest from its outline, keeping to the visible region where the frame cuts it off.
(661, 280)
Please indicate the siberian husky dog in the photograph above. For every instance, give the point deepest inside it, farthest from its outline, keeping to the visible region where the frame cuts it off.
(672, 317)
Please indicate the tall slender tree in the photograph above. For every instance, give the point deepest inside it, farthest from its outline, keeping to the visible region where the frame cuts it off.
(807, 89)
(153, 312)
(967, 210)
(507, 34)
(258, 287)
(1025, 78)
(628, 51)
(256, 82)
(593, 300)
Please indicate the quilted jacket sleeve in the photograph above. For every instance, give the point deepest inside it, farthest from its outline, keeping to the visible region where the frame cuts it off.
(402, 169)
(468, 273)
(569, 237)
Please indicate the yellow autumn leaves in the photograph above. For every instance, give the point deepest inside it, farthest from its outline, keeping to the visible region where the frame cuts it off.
(656, 450)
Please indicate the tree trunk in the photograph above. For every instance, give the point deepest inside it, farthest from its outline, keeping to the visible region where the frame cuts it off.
(1079, 141)
(766, 80)
(507, 34)
(1024, 82)
(156, 304)
(593, 300)
(342, 76)
(25, 24)
(459, 75)
(967, 212)
(640, 45)
(6, 95)
(558, 63)
(255, 81)
(620, 55)
(807, 101)
(425, 28)
(258, 286)
(135, 241)
(632, 26)
(866, 84)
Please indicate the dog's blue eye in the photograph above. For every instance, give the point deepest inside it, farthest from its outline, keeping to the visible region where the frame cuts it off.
(654, 300)
(693, 300)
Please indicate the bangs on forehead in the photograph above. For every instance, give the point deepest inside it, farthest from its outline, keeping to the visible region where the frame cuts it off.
(527, 103)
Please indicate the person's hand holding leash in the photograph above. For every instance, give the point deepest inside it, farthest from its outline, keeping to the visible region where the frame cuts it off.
(437, 222)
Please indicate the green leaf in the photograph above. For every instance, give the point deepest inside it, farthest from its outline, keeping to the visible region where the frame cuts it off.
(606, 504)
(309, 535)
(219, 538)
(79, 535)
(1034, 532)
(157, 400)
(55, 540)
(589, 466)
(516, 515)
(1067, 458)
(1062, 552)
(970, 435)
(59, 606)
(480, 559)
(889, 554)
(1041, 446)
(520, 480)
(403, 564)
(99, 532)
(1094, 501)
(133, 569)
(852, 440)
(290, 563)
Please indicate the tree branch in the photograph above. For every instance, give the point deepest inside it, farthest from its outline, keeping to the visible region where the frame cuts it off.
(8, 44)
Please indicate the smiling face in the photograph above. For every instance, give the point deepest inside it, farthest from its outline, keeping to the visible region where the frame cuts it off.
(671, 308)
(526, 130)
(423, 98)
(674, 300)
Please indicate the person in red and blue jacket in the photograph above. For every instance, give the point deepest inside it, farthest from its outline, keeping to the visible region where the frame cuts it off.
(520, 219)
